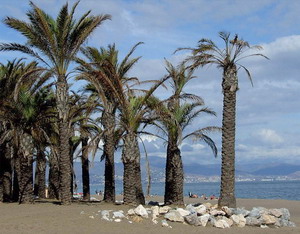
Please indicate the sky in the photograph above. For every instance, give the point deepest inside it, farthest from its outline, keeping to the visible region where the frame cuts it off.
(268, 126)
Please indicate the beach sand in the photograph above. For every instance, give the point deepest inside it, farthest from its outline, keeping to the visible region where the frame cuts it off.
(48, 217)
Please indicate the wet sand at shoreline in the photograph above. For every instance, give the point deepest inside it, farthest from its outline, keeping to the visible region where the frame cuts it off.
(48, 217)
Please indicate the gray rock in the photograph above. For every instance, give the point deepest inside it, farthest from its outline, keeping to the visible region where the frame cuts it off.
(242, 211)
(174, 216)
(285, 214)
(286, 223)
(258, 211)
(252, 221)
(190, 208)
(164, 223)
(192, 219)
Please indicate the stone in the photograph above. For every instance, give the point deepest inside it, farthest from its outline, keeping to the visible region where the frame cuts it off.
(221, 223)
(131, 212)
(183, 212)
(137, 219)
(285, 214)
(229, 221)
(105, 215)
(252, 221)
(192, 219)
(164, 223)
(204, 219)
(227, 210)
(217, 212)
(164, 209)
(201, 210)
(141, 211)
(154, 221)
(268, 219)
(155, 212)
(91, 217)
(207, 205)
(174, 216)
(258, 211)
(286, 223)
(263, 226)
(275, 212)
(242, 211)
(118, 214)
(190, 208)
(82, 212)
(118, 220)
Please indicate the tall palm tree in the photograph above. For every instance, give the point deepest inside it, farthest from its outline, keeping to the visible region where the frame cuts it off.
(227, 59)
(55, 42)
(104, 62)
(174, 115)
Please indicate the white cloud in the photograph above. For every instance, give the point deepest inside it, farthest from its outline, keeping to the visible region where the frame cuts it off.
(269, 136)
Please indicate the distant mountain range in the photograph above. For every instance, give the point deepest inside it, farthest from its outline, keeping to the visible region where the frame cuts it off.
(157, 166)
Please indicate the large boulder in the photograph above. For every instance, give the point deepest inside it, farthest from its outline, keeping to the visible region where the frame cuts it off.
(193, 219)
(252, 221)
(204, 219)
(201, 210)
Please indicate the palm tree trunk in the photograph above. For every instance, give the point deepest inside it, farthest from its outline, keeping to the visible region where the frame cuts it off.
(85, 170)
(6, 172)
(174, 175)
(53, 184)
(16, 176)
(132, 187)
(65, 171)
(40, 175)
(108, 121)
(26, 169)
(227, 193)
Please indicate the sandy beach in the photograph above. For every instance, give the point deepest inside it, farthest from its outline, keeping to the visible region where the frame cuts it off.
(49, 217)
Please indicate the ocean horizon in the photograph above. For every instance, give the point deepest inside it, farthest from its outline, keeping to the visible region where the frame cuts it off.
(286, 190)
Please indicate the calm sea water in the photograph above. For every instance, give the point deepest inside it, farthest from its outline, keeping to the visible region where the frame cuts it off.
(288, 190)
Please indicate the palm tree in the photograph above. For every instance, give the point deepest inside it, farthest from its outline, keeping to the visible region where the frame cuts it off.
(58, 41)
(174, 115)
(227, 59)
(104, 62)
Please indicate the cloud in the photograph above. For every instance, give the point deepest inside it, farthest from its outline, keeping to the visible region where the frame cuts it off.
(269, 136)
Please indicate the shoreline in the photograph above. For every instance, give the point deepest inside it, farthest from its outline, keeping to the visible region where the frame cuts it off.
(46, 217)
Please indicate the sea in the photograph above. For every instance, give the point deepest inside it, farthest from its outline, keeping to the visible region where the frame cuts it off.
(287, 190)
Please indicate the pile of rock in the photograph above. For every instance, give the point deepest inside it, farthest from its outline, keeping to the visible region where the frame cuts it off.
(204, 215)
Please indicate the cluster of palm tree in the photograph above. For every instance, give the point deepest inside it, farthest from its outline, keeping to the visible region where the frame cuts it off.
(43, 121)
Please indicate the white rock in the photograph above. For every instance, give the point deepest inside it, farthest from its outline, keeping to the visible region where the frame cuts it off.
(155, 212)
(217, 212)
(118, 214)
(204, 219)
(201, 209)
(229, 221)
(105, 215)
(141, 211)
(207, 205)
(164, 223)
(264, 226)
(91, 217)
(164, 209)
(183, 212)
(130, 212)
(174, 216)
(82, 212)
(154, 221)
(94, 199)
(190, 208)
(118, 220)
(238, 220)
(268, 219)
(221, 224)
(227, 210)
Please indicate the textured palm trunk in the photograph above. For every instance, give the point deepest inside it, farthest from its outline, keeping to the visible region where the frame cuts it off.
(227, 193)
(40, 175)
(65, 171)
(174, 175)
(132, 182)
(16, 176)
(85, 170)
(26, 169)
(108, 121)
(53, 183)
(6, 172)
